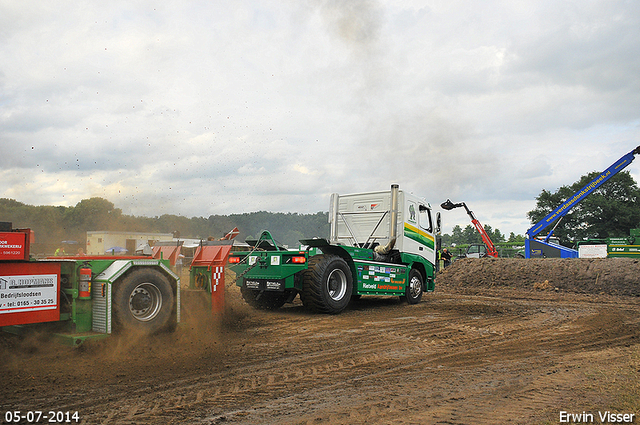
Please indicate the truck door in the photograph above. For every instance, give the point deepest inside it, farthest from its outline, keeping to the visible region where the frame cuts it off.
(426, 224)
(418, 231)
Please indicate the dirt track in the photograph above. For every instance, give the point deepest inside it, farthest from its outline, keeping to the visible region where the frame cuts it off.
(472, 352)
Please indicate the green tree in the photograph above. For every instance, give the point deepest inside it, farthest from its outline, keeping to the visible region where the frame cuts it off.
(93, 214)
(456, 235)
(497, 236)
(610, 210)
(470, 235)
(446, 240)
(513, 238)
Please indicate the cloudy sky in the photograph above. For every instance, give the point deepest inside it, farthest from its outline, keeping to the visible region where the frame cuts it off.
(216, 107)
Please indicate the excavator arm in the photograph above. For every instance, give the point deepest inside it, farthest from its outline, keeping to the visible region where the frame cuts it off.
(491, 249)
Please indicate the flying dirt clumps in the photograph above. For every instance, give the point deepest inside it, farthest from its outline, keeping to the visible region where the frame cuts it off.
(608, 276)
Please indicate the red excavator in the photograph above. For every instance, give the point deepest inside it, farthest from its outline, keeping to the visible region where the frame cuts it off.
(475, 250)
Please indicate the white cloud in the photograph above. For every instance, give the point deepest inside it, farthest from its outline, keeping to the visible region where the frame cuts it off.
(200, 108)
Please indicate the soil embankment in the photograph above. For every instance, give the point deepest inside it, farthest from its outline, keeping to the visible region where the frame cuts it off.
(500, 341)
(602, 276)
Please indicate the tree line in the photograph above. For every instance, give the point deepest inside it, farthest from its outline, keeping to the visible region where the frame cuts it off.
(469, 235)
(610, 211)
(55, 224)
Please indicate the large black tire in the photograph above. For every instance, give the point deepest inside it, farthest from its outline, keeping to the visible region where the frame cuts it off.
(265, 300)
(327, 284)
(143, 301)
(414, 290)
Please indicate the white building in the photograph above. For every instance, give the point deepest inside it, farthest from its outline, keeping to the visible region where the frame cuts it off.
(98, 242)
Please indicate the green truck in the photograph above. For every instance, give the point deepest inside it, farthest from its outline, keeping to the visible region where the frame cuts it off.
(380, 243)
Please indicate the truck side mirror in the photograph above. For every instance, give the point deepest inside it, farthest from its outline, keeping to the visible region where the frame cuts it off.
(438, 222)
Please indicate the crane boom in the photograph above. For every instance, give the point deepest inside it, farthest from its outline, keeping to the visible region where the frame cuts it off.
(571, 202)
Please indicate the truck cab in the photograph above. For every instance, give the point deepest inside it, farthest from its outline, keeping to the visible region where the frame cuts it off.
(369, 220)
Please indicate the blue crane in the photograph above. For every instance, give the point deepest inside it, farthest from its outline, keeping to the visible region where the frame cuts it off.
(538, 248)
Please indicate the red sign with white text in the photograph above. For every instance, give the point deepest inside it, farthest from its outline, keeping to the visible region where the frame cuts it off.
(29, 293)
(12, 245)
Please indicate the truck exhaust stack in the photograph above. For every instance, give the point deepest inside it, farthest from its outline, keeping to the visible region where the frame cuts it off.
(393, 223)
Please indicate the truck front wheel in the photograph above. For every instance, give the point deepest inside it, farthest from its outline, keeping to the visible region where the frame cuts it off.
(143, 301)
(413, 293)
(327, 284)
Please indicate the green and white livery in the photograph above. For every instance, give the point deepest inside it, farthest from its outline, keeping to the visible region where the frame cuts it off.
(381, 243)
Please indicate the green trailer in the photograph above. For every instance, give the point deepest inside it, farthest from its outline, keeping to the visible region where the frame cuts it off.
(617, 247)
(84, 297)
(381, 243)
(627, 247)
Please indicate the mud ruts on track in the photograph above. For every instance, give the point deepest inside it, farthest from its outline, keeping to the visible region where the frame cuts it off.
(610, 276)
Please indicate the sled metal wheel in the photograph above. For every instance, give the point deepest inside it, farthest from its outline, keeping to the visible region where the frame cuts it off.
(145, 302)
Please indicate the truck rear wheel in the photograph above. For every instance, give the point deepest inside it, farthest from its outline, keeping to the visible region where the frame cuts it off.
(264, 300)
(413, 293)
(143, 301)
(327, 284)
